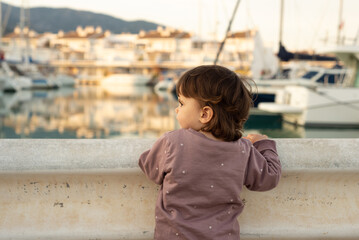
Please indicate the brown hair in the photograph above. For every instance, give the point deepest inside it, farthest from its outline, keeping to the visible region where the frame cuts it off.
(225, 92)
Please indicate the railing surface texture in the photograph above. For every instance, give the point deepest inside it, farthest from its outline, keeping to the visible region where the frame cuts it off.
(94, 189)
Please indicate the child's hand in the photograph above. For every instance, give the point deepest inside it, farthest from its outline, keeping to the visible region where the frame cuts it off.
(255, 137)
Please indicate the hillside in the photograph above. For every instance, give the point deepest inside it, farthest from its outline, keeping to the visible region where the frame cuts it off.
(54, 19)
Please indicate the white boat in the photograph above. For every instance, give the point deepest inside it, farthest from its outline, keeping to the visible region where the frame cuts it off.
(2, 83)
(38, 80)
(64, 80)
(166, 85)
(13, 82)
(125, 90)
(331, 105)
(126, 79)
(317, 107)
(18, 79)
(314, 76)
(17, 83)
(267, 89)
(60, 79)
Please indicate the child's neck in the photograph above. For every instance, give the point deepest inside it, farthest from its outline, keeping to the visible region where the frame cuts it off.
(210, 135)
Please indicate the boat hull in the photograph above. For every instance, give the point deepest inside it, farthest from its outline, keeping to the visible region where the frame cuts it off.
(318, 107)
(126, 79)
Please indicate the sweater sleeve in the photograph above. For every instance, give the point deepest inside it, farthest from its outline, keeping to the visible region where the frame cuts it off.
(152, 162)
(264, 168)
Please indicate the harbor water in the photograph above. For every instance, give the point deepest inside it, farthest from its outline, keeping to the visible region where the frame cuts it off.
(125, 112)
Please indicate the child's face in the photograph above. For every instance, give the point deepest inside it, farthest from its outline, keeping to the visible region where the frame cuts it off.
(189, 113)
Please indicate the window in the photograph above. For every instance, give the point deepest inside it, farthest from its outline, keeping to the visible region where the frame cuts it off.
(309, 74)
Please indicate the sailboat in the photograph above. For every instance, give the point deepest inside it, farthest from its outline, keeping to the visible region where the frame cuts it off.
(25, 74)
(319, 106)
(335, 105)
(13, 82)
(3, 75)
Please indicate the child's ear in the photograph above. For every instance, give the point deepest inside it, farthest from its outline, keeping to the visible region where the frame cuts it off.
(206, 114)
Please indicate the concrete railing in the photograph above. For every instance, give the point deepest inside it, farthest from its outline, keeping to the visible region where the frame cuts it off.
(93, 189)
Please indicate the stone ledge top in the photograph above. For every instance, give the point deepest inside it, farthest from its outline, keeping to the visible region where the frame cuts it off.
(107, 155)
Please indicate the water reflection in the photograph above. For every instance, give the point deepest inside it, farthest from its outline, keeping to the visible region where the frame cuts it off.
(86, 112)
(129, 111)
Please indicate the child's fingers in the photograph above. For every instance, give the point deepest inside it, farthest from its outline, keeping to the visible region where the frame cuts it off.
(255, 137)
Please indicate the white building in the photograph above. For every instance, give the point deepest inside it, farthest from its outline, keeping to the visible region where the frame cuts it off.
(242, 52)
(164, 44)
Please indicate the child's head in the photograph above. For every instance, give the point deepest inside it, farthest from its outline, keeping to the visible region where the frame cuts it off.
(220, 96)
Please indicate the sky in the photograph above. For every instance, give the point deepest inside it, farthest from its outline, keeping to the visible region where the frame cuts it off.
(306, 23)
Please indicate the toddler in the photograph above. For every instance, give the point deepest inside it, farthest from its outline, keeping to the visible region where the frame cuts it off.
(202, 167)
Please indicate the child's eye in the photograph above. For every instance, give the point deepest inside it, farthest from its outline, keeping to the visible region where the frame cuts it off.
(180, 103)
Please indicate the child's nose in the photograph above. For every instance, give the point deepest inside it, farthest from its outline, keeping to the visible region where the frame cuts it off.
(176, 110)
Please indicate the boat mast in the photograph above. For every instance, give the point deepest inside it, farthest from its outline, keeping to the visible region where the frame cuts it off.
(3, 24)
(340, 25)
(23, 21)
(228, 29)
(0, 25)
(199, 19)
(281, 21)
(280, 69)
